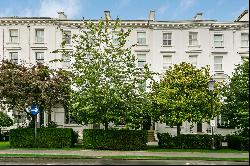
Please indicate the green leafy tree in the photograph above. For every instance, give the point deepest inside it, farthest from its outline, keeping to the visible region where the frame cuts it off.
(105, 77)
(5, 120)
(22, 86)
(183, 95)
(236, 93)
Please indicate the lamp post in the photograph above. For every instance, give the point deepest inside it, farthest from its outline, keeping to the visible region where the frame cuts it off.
(211, 89)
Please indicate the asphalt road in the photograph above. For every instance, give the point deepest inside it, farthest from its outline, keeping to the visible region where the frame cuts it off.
(41, 161)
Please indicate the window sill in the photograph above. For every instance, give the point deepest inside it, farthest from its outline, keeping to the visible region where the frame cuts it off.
(142, 45)
(167, 46)
(39, 43)
(218, 47)
(12, 43)
(244, 47)
(194, 46)
(219, 72)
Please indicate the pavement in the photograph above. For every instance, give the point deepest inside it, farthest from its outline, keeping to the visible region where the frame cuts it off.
(100, 153)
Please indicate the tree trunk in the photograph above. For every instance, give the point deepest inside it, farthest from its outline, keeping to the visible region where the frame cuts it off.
(178, 129)
(106, 126)
(49, 117)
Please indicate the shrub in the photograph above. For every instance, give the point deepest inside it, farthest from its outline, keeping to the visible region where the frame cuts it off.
(189, 141)
(238, 142)
(115, 139)
(46, 138)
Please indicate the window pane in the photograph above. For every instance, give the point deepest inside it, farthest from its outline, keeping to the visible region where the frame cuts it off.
(14, 57)
(141, 60)
(13, 35)
(167, 62)
(13, 32)
(218, 59)
(218, 67)
(244, 39)
(40, 57)
(218, 63)
(141, 37)
(193, 38)
(39, 35)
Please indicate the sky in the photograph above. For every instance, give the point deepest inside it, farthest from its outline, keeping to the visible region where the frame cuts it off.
(166, 10)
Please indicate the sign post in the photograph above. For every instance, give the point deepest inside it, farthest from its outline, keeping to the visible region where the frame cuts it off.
(212, 124)
(34, 110)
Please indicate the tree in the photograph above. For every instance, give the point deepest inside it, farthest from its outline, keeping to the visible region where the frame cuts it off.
(236, 93)
(22, 86)
(105, 77)
(183, 95)
(5, 120)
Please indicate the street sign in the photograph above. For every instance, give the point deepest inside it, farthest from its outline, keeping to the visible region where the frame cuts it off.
(212, 123)
(34, 110)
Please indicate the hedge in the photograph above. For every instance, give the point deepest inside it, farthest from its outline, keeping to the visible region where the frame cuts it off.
(238, 142)
(46, 138)
(115, 139)
(189, 141)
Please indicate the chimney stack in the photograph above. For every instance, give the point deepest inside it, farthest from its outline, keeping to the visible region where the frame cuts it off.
(152, 15)
(198, 17)
(107, 15)
(61, 15)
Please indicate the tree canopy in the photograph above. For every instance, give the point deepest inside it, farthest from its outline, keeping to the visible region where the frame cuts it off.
(106, 79)
(183, 95)
(5, 120)
(236, 93)
(21, 86)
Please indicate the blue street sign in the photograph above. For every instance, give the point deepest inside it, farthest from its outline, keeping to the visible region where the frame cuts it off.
(34, 110)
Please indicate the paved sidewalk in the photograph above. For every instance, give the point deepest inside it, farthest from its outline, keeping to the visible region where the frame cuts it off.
(96, 153)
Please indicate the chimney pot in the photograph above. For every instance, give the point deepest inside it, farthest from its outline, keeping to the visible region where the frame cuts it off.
(152, 15)
(61, 15)
(198, 16)
(107, 15)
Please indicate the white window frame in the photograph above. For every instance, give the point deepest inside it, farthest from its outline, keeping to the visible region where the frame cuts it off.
(167, 64)
(221, 41)
(141, 39)
(66, 36)
(244, 40)
(196, 57)
(39, 59)
(11, 37)
(218, 63)
(168, 39)
(192, 41)
(14, 60)
(140, 60)
(37, 37)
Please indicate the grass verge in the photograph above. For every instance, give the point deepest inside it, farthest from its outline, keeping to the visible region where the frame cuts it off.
(118, 157)
(4, 145)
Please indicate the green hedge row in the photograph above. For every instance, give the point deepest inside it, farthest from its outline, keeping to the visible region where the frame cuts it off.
(115, 139)
(238, 142)
(189, 141)
(46, 138)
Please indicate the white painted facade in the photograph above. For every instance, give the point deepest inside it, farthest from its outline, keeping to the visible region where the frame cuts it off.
(202, 42)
